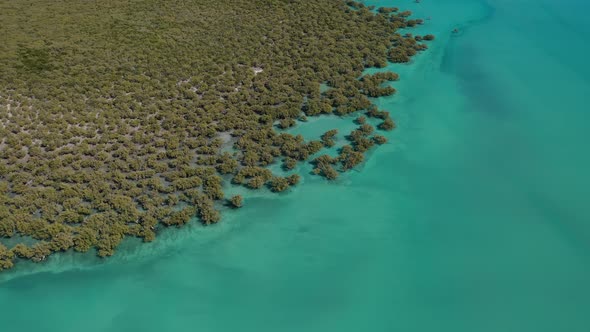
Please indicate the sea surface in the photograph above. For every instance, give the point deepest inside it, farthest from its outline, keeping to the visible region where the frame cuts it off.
(475, 217)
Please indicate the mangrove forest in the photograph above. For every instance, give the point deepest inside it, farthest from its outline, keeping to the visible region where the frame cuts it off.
(120, 118)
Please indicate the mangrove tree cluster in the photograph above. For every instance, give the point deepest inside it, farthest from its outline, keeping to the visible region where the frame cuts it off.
(121, 117)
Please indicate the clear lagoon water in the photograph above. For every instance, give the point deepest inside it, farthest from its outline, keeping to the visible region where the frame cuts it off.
(474, 218)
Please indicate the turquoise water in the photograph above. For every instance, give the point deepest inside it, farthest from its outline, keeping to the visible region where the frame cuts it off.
(473, 218)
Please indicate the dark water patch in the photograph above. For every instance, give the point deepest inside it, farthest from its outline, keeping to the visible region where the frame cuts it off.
(480, 89)
(460, 30)
(571, 226)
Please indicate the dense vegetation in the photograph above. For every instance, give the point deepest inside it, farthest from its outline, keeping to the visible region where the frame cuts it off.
(120, 117)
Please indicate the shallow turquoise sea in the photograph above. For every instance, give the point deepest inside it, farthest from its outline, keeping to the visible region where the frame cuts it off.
(473, 218)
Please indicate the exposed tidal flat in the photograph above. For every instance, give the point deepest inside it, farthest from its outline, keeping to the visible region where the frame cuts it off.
(473, 217)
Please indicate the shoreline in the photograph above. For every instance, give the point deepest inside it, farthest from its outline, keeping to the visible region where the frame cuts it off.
(171, 239)
(176, 170)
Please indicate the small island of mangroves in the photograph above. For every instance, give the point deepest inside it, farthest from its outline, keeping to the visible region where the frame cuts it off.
(120, 118)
